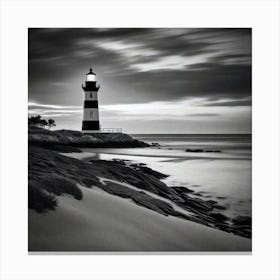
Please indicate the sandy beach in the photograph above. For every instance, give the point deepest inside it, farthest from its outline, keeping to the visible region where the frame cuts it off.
(103, 222)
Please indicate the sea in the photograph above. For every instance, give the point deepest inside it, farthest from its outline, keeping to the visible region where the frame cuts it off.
(224, 173)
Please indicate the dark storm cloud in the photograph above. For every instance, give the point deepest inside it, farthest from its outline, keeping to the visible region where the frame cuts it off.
(54, 43)
(208, 80)
(141, 65)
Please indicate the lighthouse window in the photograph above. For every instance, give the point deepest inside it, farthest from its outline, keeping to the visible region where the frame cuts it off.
(90, 95)
(91, 115)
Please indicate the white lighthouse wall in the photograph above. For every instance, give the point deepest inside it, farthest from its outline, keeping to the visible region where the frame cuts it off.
(91, 114)
(90, 95)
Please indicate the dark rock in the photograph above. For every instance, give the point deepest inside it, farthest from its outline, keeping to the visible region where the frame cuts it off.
(199, 204)
(212, 201)
(224, 227)
(194, 150)
(202, 151)
(198, 194)
(65, 149)
(181, 190)
(137, 178)
(220, 207)
(140, 198)
(155, 145)
(152, 172)
(121, 161)
(242, 220)
(219, 216)
(243, 232)
(242, 225)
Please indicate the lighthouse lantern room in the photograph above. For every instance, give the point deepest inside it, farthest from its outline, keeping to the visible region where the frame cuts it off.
(90, 115)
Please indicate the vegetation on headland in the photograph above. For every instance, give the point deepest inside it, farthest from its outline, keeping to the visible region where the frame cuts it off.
(40, 122)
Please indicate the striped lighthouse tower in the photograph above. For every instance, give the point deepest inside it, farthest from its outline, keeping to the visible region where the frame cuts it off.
(91, 115)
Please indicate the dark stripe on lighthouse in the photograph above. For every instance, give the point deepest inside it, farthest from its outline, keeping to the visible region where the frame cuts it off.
(90, 125)
(91, 104)
(91, 86)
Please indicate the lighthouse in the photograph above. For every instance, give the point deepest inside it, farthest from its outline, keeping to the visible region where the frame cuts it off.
(90, 115)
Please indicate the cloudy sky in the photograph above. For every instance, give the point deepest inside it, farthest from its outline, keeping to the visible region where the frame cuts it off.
(152, 80)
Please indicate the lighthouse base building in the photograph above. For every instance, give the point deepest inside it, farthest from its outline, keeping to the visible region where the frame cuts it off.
(91, 122)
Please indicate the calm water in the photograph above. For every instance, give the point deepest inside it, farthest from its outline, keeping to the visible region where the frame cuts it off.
(224, 176)
(230, 143)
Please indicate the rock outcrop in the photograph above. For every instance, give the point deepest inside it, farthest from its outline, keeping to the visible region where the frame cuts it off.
(73, 138)
(201, 151)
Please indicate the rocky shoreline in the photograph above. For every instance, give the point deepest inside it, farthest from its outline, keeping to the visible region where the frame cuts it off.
(203, 211)
(52, 174)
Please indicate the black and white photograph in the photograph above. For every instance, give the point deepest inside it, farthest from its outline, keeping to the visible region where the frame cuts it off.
(139, 140)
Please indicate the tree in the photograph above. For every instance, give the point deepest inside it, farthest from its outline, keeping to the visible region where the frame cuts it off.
(35, 120)
(51, 123)
(38, 121)
(43, 123)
